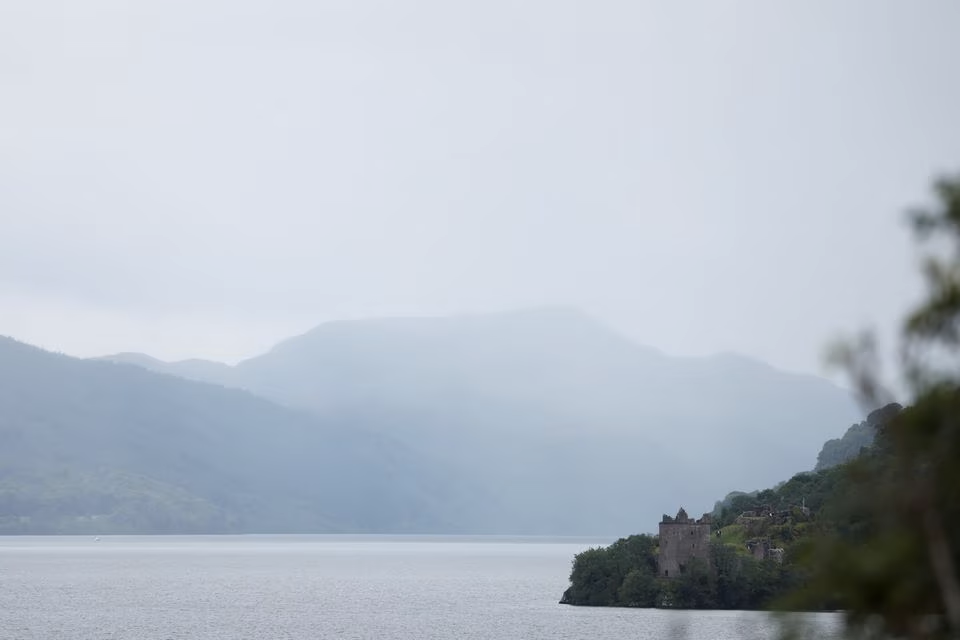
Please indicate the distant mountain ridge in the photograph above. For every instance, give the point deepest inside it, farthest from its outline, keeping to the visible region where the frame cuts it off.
(101, 447)
(192, 369)
(540, 409)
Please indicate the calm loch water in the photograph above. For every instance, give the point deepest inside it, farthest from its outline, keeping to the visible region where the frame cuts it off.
(309, 587)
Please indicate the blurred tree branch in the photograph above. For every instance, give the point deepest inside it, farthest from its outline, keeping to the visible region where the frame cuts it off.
(924, 445)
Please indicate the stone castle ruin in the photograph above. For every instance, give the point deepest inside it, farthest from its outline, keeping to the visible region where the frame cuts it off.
(682, 539)
(760, 549)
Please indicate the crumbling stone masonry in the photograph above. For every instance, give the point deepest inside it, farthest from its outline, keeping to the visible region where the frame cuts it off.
(681, 540)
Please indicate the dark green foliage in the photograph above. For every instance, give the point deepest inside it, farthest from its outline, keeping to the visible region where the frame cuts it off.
(595, 579)
(693, 589)
(640, 588)
(876, 556)
(625, 575)
(733, 578)
(888, 549)
(727, 510)
(796, 516)
(599, 574)
(809, 489)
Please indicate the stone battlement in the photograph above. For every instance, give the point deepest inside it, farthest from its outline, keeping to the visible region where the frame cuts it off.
(682, 539)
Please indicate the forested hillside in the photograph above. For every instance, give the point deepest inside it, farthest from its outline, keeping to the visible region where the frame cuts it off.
(876, 533)
(790, 519)
(102, 447)
(858, 436)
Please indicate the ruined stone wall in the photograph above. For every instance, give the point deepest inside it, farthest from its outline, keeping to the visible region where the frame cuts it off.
(681, 540)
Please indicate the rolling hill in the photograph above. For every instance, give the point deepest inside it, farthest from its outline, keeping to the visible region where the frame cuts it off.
(559, 424)
(102, 447)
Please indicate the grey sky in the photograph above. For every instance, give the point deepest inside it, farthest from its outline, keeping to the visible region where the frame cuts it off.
(204, 178)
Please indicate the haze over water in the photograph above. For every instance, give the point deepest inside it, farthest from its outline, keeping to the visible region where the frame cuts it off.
(299, 587)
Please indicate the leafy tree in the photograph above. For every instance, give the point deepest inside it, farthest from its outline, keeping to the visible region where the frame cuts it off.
(891, 558)
(594, 580)
(600, 575)
(640, 588)
(625, 574)
(694, 589)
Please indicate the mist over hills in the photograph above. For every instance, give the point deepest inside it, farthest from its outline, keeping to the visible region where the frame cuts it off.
(558, 424)
(102, 447)
(193, 369)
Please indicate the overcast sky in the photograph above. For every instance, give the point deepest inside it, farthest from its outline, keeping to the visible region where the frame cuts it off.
(206, 177)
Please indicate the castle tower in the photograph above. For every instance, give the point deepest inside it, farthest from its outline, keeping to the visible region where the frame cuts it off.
(681, 540)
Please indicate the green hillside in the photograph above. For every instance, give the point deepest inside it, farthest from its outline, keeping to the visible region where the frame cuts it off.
(758, 543)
